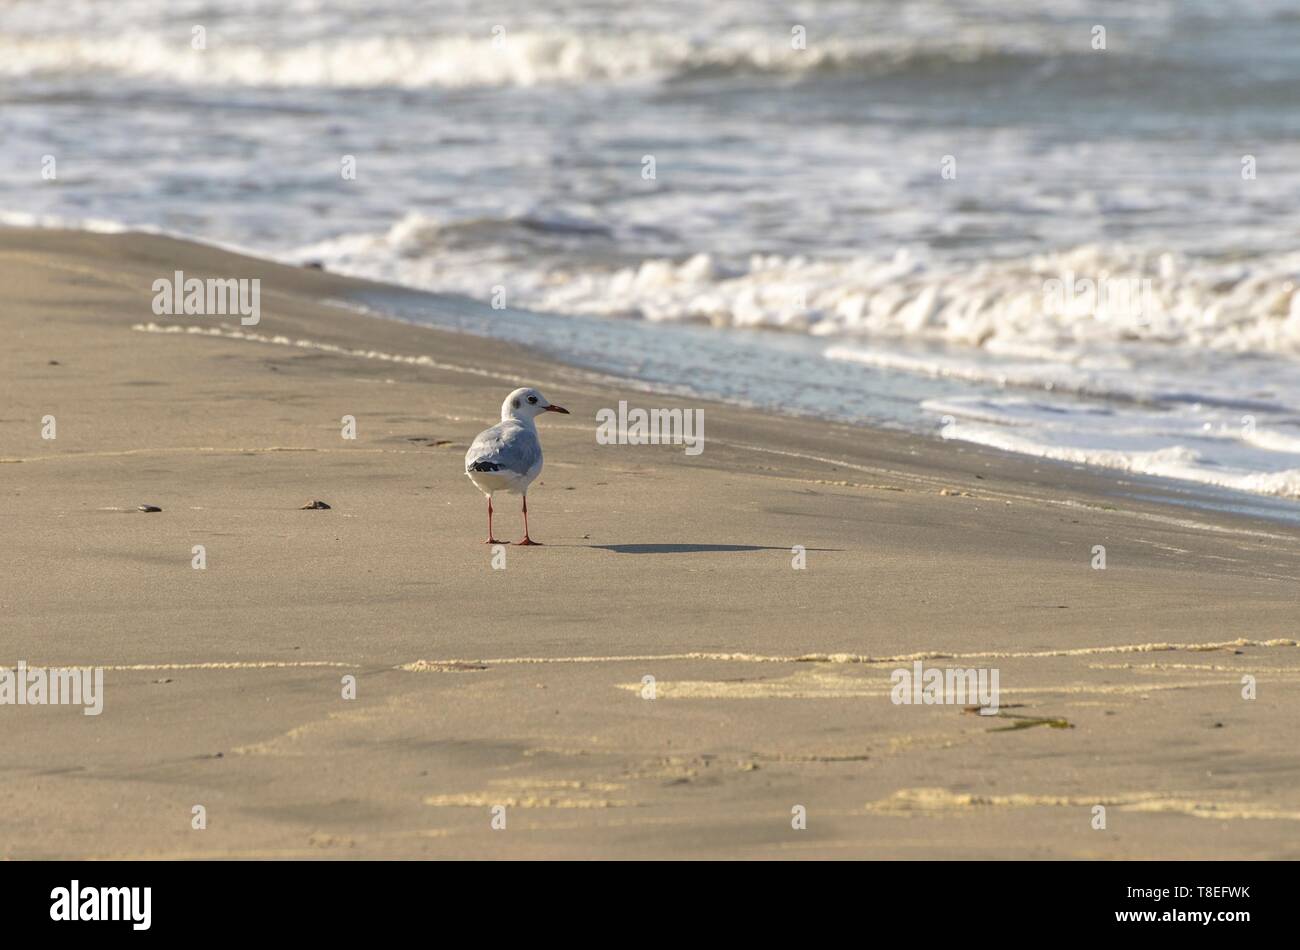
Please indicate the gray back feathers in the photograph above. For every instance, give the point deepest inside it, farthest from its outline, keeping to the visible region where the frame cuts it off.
(508, 445)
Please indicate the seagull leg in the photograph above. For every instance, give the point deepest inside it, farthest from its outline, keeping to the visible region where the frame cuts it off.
(490, 539)
(527, 539)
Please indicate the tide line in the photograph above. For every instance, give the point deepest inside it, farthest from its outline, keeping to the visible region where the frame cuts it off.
(423, 666)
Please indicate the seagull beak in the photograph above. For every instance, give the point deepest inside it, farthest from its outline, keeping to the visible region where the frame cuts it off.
(557, 409)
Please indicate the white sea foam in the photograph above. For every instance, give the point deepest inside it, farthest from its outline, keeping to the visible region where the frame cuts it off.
(1006, 307)
(515, 58)
(26, 219)
(1171, 434)
(1175, 461)
(997, 305)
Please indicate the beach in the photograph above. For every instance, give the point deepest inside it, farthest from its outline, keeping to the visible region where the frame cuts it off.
(517, 696)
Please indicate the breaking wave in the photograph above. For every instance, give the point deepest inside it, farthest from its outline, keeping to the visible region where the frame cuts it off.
(1025, 306)
(518, 59)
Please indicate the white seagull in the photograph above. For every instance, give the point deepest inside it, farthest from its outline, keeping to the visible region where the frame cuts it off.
(508, 456)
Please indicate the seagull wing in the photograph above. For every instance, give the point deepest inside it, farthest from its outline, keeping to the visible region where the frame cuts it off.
(506, 447)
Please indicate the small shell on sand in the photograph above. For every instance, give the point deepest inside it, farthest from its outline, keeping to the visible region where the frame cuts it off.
(314, 505)
(148, 508)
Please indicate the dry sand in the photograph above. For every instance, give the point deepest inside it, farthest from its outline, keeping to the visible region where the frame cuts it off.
(523, 687)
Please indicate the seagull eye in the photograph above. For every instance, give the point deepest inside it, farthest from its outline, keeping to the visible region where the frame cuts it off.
(532, 399)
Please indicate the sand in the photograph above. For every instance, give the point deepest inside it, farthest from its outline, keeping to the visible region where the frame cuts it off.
(520, 693)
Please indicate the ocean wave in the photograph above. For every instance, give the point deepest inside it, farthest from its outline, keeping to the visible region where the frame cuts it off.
(1090, 294)
(26, 219)
(1177, 462)
(1222, 467)
(1091, 299)
(518, 59)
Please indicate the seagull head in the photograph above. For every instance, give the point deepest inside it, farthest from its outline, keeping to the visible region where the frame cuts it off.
(526, 405)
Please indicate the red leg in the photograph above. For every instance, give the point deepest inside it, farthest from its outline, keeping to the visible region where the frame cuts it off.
(490, 539)
(527, 539)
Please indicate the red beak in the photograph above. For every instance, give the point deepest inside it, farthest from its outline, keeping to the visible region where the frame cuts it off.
(557, 409)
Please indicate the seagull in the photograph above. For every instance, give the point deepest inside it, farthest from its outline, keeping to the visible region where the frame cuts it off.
(508, 456)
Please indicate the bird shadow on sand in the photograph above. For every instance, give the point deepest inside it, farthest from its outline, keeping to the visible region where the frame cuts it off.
(690, 548)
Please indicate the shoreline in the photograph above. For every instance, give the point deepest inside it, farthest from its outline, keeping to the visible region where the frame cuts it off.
(522, 687)
(429, 310)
